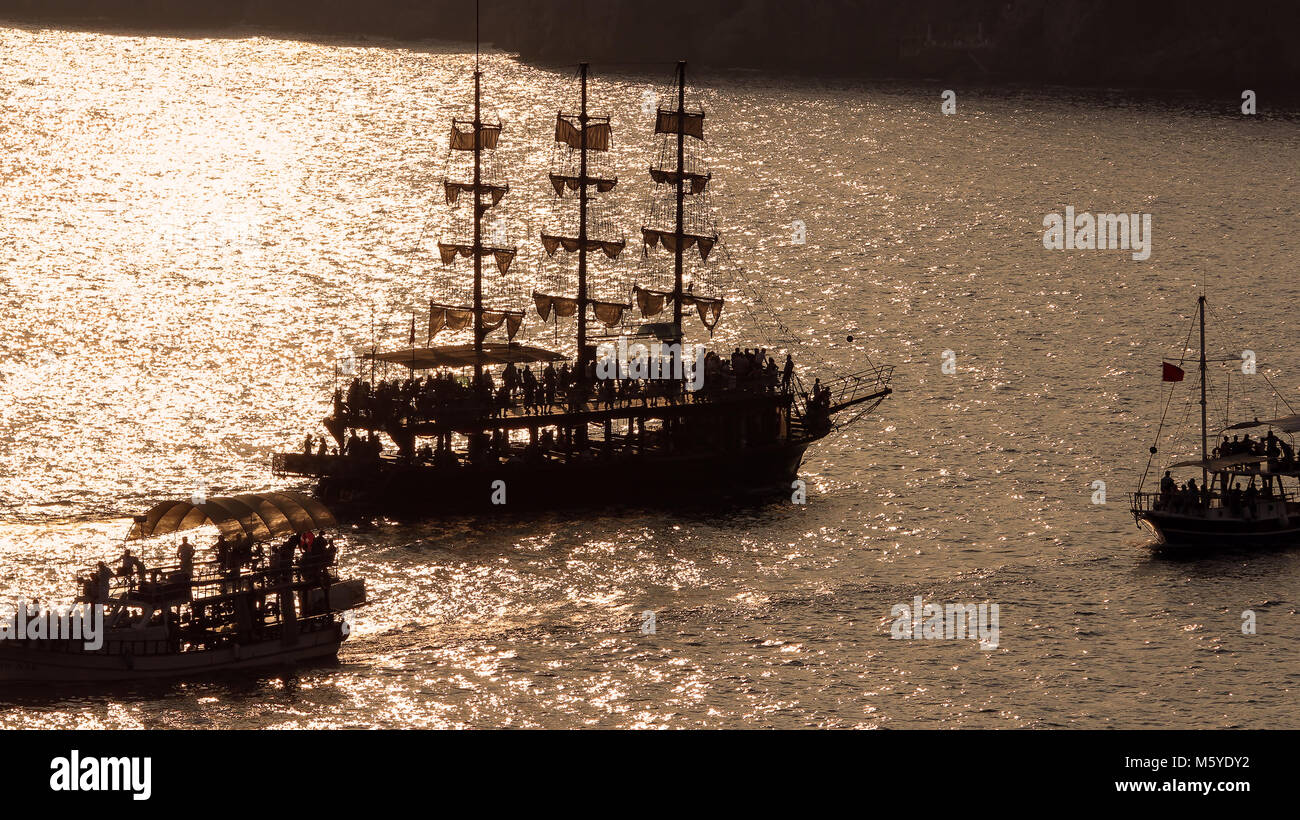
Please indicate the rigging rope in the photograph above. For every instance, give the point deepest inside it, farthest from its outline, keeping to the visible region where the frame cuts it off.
(756, 295)
(1277, 393)
(1152, 454)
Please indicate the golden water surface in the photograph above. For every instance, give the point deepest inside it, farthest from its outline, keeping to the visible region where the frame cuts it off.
(194, 229)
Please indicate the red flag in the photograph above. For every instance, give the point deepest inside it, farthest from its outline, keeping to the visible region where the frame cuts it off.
(1172, 373)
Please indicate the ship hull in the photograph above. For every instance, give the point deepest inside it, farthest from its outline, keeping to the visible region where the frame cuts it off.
(643, 482)
(1194, 533)
(33, 662)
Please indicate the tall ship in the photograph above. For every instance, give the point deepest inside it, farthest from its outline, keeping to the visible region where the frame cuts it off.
(639, 413)
(1248, 495)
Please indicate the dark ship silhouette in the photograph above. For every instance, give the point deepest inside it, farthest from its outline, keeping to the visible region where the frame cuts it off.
(633, 418)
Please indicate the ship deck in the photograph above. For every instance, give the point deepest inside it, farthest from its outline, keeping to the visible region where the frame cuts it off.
(593, 411)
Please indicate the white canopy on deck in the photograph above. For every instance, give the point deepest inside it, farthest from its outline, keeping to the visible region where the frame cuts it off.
(260, 516)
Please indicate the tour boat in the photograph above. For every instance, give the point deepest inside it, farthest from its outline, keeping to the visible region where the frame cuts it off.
(1248, 495)
(204, 615)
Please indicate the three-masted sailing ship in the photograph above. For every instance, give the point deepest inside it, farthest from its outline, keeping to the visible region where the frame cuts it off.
(1242, 499)
(633, 416)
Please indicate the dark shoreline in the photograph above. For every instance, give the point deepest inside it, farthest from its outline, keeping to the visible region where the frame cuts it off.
(1216, 102)
(1193, 45)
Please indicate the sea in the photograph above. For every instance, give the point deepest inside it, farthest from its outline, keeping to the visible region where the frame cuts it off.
(197, 228)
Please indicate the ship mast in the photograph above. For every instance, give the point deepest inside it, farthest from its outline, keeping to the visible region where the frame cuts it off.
(485, 189)
(680, 252)
(1205, 450)
(478, 223)
(582, 225)
(680, 176)
(580, 138)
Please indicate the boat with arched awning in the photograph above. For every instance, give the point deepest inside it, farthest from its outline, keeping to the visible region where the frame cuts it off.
(261, 593)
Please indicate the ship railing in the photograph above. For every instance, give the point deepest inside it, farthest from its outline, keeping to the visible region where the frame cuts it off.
(863, 389)
(193, 634)
(1146, 502)
(856, 387)
(287, 464)
(170, 583)
(574, 399)
(1183, 501)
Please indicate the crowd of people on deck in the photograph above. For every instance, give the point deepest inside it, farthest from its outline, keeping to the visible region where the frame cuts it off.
(363, 408)
(540, 391)
(748, 370)
(311, 552)
(1280, 455)
(1181, 498)
(1189, 497)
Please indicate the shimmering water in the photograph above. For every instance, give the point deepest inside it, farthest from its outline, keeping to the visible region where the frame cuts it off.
(194, 229)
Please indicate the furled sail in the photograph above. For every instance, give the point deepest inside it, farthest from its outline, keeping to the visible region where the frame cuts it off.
(652, 302)
(652, 237)
(446, 317)
(609, 314)
(462, 135)
(599, 133)
(455, 189)
(696, 182)
(563, 306)
(562, 181)
(690, 123)
(709, 309)
(611, 248)
(503, 256)
(513, 320)
(450, 317)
